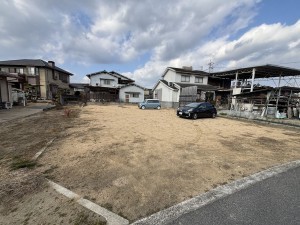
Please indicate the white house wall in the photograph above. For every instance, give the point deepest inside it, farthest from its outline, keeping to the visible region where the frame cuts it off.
(95, 79)
(175, 96)
(128, 89)
(172, 76)
(169, 97)
(166, 94)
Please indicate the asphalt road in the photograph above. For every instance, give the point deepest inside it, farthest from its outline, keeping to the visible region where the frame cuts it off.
(274, 201)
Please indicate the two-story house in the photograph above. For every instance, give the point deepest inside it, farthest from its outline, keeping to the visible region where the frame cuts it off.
(42, 79)
(177, 83)
(112, 86)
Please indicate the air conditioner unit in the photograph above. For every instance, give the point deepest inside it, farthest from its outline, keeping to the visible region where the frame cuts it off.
(7, 105)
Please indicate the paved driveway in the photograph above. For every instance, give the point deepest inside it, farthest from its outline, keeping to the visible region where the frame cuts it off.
(273, 201)
(20, 111)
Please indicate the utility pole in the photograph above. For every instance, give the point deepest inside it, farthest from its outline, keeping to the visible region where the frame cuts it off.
(210, 66)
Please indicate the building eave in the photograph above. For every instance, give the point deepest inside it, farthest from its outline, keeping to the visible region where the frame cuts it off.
(133, 84)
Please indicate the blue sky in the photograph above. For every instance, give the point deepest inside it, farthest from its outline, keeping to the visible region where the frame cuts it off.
(277, 11)
(141, 38)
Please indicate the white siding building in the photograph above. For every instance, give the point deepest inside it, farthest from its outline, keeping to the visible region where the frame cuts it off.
(131, 93)
(168, 89)
(113, 86)
(104, 80)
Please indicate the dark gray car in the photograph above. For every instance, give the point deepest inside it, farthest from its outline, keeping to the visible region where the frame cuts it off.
(197, 109)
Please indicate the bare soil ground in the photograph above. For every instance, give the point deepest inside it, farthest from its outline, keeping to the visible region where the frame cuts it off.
(136, 162)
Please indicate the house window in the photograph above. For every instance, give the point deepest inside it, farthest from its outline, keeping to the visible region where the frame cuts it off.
(63, 78)
(107, 82)
(198, 79)
(31, 70)
(4, 70)
(185, 78)
(135, 95)
(54, 75)
(20, 70)
(11, 70)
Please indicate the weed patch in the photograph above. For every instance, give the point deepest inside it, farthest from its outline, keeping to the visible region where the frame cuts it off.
(22, 163)
(83, 219)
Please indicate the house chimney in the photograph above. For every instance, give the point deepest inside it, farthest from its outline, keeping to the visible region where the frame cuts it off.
(51, 63)
(187, 67)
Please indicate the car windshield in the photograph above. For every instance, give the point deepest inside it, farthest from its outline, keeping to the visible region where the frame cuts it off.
(193, 105)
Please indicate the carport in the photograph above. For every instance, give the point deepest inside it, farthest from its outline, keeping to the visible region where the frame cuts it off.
(244, 79)
(248, 75)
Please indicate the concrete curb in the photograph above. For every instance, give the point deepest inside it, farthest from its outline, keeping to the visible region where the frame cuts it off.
(110, 217)
(170, 214)
(261, 121)
(50, 107)
(39, 153)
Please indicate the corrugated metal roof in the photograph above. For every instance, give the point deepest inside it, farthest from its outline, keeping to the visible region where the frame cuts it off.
(264, 71)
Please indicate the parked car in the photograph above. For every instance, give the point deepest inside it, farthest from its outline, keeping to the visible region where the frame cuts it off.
(150, 104)
(196, 110)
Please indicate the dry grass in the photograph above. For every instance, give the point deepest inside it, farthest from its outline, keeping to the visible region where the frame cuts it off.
(20, 141)
(133, 162)
(137, 162)
(17, 184)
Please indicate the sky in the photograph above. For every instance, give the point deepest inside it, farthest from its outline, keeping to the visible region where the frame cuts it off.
(141, 38)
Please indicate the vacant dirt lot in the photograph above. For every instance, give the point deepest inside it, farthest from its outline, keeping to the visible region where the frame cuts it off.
(135, 162)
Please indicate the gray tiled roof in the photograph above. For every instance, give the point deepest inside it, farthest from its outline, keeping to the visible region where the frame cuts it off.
(133, 84)
(186, 71)
(113, 73)
(204, 87)
(169, 84)
(31, 62)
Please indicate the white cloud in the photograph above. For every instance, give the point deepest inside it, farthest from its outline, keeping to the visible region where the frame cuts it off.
(274, 43)
(265, 44)
(85, 80)
(170, 33)
(113, 31)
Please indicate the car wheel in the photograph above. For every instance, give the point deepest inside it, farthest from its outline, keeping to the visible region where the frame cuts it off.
(213, 115)
(143, 107)
(158, 107)
(195, 116)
